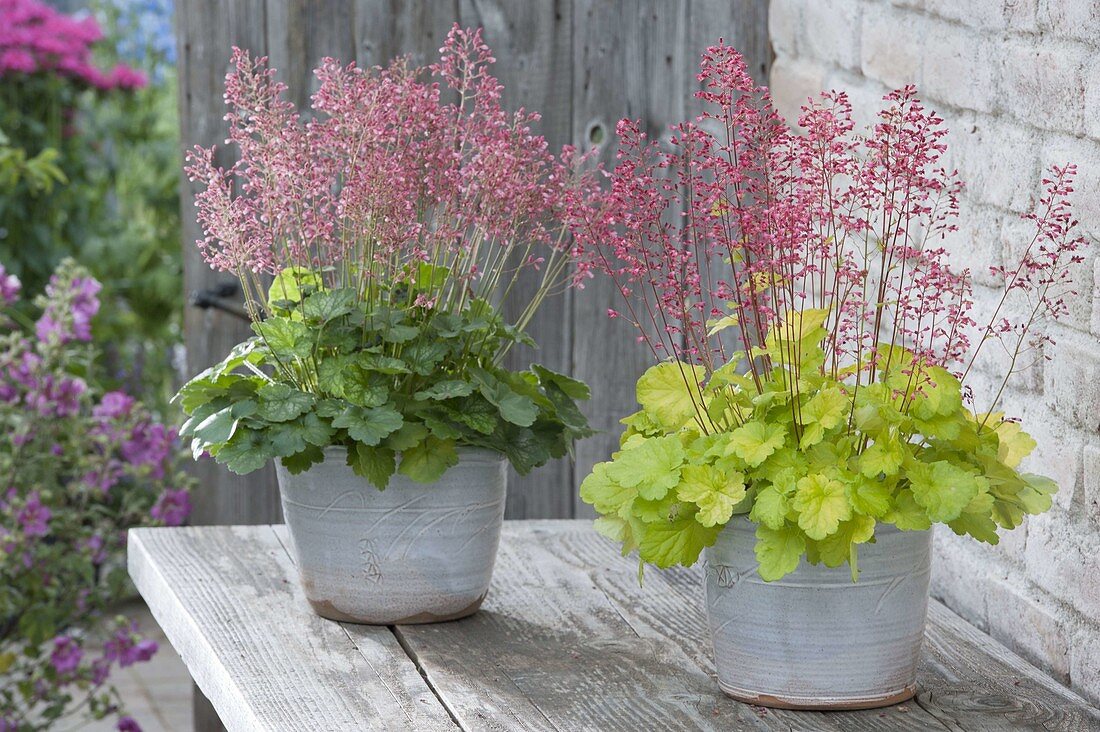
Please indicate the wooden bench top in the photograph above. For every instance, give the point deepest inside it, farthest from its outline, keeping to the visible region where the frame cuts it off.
(566, 641)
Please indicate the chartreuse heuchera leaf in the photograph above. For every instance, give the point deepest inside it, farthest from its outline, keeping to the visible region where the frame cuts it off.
(815, 461)
(401, 388)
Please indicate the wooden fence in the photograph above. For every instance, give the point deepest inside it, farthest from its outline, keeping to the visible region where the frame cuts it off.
(583, 64)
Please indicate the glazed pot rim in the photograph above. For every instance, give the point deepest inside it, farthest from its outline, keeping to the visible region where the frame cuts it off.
(466, 453)
(742, 522)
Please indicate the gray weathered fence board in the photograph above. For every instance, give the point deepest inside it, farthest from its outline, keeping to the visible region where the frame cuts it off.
(566, 640)
(582, 63)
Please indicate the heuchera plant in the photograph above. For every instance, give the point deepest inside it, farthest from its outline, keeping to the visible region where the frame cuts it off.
(813, 340)
(395, 222)
(79, 468)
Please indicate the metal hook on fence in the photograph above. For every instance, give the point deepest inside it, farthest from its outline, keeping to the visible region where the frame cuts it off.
(213, 297)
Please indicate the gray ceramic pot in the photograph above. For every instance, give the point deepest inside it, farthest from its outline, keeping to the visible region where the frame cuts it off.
(413, 553)
(813, 639)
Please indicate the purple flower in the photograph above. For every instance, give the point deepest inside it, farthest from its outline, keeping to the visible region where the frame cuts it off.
(66, 655)
(127, 724)
(15, 59)
(150, 444)
(34, 517)
(47, 329)
(123, 648)
(94, 545)
(173, 507)
(113, 405)
(9, 283)
(104, 477)
(85, 306)
(57, 397)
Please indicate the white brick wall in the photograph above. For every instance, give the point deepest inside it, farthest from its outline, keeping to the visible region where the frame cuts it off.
(1018, 82)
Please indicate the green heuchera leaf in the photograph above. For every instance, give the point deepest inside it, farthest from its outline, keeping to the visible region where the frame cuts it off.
(884, 457)
(368, 426)
(678, 541)
(664, 393)
(447, 389)
(714, 492)
(288, 284)
(280, 403)
(822, 503)
(604, 494)
(515, 408)
(870, 497)
(376, 464)
(754, 441)
(652, 466)
(288, 339)
(770, 508)
(778, 551)
(840, 547)
(328, 305)
(429, 460)
(943, 489)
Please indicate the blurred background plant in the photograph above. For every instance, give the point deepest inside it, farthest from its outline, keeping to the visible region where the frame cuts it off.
(93, 95)
(81, 466)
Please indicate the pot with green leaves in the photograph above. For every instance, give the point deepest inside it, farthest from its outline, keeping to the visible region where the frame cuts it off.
(808, 408)
(394, 225)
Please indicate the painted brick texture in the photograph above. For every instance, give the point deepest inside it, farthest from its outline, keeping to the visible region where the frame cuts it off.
(1018, 82)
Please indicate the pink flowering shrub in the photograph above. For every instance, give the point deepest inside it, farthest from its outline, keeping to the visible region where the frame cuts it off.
(35, 37)
(79, 469)
(813, 336)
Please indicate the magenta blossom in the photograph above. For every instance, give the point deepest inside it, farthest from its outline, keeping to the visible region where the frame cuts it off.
(128, 724)
(126, 649)
(34, 517)
(173, 507)
(9, 283)
(36, 37)
(66, 655)
(114, 405)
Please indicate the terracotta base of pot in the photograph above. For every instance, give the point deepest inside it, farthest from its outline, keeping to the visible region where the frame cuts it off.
(820, 705)
(326, 610)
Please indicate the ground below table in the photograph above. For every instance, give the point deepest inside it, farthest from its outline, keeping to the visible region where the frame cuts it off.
(566, 640)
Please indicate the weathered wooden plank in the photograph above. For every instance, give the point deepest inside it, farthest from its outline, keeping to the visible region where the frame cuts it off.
(969, 681)
(532, 43)
(550, 651)
(629, 61)
(228, 601)
(565, 591)
(205, 32)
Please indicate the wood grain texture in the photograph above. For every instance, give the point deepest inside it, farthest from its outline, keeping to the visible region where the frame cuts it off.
(205, 32)
(628, 61)
(229, 601)
(566, 640)
(582, 64)
(532, 42)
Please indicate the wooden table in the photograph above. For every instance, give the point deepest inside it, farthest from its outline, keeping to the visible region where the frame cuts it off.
(566, 640)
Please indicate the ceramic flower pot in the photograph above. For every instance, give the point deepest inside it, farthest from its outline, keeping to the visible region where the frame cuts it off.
(413, 553)
(813, 639)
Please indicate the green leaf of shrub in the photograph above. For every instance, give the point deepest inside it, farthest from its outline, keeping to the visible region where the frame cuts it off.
(778, 551)
(679, 541)
(822, 503)
(280, 402)
(368, 426)
(653, 466)
(426, 462)
(669, 393)
(754, 441)
(376, 464)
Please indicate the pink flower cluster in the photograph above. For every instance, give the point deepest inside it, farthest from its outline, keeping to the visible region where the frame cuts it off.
(746, 217)
(396, 166)
(36, 37)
